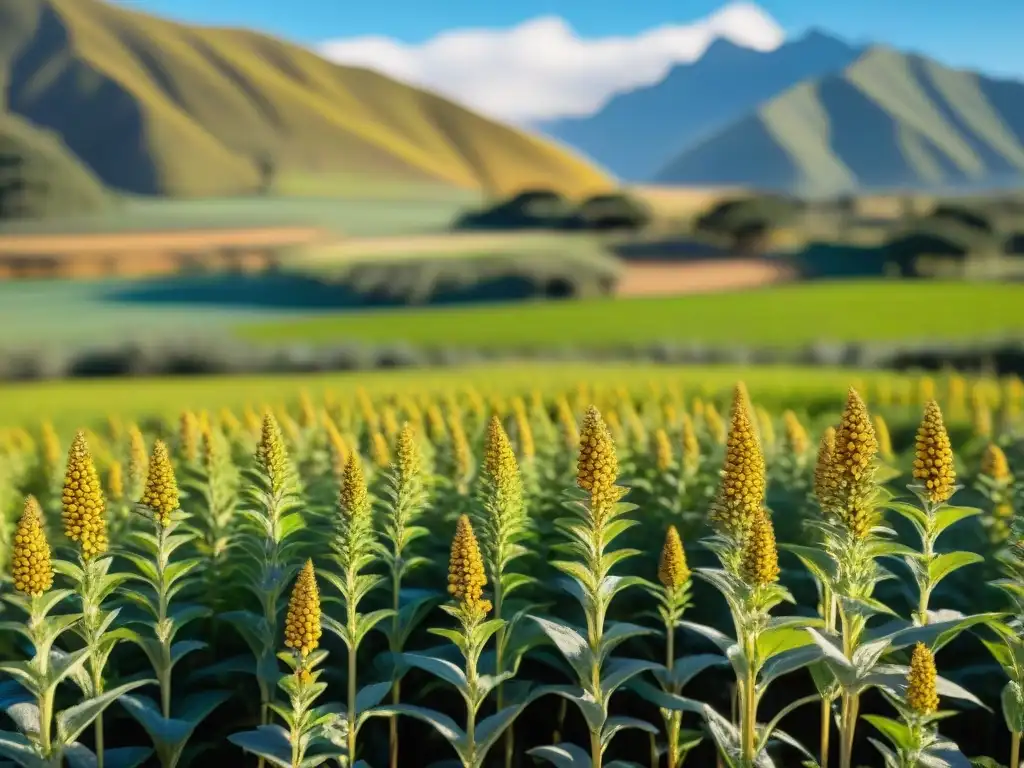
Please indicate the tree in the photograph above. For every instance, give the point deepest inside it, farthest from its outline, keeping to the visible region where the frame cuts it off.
(13, 185)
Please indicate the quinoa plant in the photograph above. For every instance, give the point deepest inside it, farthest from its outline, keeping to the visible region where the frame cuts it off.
(44, 737)
(160, 578)
(356, 549)
(467, 578)
(995, 481)
(272, 511)
(598, 519)
(407, 499)
(314, 735)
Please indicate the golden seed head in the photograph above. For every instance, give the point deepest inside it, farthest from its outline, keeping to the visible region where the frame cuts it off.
(380, 452)
(302, 624)
(922, 693)
(31, 566)
(933, 456)
(567, 423)
(138, 459)
(466, 575)
(50, 447)
(336, 445)
(501, 468)
(982, 416)
(823, 466)
(882, 435)
(713, 423)
(673, 572)
(115, 481)
(462, 458)
(926, 389)
(82, 505)
(759, 560)
(353, 497)
(765, 427)
(436, 429)
(848, 489)
(796, 439)
(307, 411)
(597, 468)
(188, 436)
(161, 490)
(691, 445)
(994, 464)
(741, 491)
(229, 422)
(662, 450)
(524, 431)
(209, 448)
(271, 453)
(409, 457)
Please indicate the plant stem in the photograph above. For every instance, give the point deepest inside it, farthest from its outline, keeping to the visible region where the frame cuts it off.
(352, 702)
(596, 756)
(674, 717)
(395, 648)
(1015, 750)
(97, 689)
(828, 600)
(164, 673)
(749, 719)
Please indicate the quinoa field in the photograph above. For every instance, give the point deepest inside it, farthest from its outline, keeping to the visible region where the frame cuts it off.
(589, 567)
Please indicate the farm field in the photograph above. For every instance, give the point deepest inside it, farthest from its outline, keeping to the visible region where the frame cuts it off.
(460, 503)
(782, 315)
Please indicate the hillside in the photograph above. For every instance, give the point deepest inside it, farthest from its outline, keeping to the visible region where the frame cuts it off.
(637, 132)
(888, 120)
(39, 177)
(156, 107)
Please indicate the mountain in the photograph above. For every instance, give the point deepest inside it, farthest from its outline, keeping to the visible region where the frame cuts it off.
(638, 131)
(156, 107)
(888, 120)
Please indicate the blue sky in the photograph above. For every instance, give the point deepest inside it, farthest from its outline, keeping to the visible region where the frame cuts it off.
(935, 28)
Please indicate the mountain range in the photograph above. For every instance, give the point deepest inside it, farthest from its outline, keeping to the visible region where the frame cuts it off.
(138, 104)
(816, 116)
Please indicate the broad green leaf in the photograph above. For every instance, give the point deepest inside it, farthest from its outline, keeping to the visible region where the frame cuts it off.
(441, 668)
(562, 755)
(948, 562)
(572, 645)
(269, 742)
(72, 721)
(896, 732)
(1012, 700)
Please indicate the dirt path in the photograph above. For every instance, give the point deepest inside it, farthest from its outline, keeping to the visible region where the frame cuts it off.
(662, 279)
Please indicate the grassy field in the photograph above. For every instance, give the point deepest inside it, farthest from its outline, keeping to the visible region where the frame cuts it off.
(366, 217)
(788, 315)
(73, 403)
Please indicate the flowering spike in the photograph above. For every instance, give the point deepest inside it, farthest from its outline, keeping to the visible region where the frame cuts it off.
(796, 439)
(922, 694)
(848, 488)
(933, 456)
(32, 569)
(662, 450)
(379, 449)
(466, 575)
(673, 571)
(742, 489)
(353, 497)
(271, 453)
(597, 467)
(823, 466)
(994, 465)
(759, 560)
(115, 481)
(302, 624)
(882, 435)
(161, 491)
(82, 504)
(501, 468)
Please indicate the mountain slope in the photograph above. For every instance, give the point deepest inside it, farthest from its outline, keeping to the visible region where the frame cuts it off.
(887, 120)
(152, 106)
(637, 132)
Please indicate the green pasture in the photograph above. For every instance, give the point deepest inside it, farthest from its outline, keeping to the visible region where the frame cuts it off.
(782, 315)
(73, 403)
(378, 212)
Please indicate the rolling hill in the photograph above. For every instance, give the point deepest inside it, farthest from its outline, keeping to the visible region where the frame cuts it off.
(151, 106)
(888, 120)
(637, 132)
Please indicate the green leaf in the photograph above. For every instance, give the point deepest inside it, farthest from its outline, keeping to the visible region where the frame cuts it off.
(562, 755)
(1012, 699)
(948, 562)
(898, 734)
(441, 723)
(947, 516)
(572, 645)
(269, 742)
(441, 668)
(774, 641)
(72, 721)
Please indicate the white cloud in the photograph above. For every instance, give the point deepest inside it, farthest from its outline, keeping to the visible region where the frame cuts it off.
(541, 69)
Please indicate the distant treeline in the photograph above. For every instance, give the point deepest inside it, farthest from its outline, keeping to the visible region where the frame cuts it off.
(545, 209)
(190, 357)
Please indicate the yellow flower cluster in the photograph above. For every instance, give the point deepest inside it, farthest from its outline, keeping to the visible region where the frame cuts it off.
(380, 452)
(673, 571)
(462, 458)
(759, 560)
(115, 481)
(691, 446)
(501, 468)
(597, 467)
(741, 491)
(662, 450)
(796, 440)
(882, 435)
(994, 465)
(823, 465)
(922, 694)
(409, 458)
(32, 569)
(466, 575)
(302, 623)
(847, 486)
(271, 453)
(933, 456)
(82, 504)
(353, 498)
(524, 431)
(161, 490)
(188, 436)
